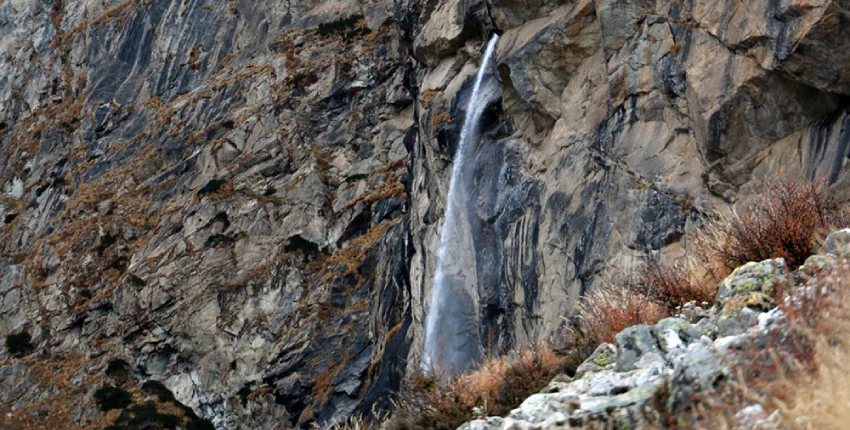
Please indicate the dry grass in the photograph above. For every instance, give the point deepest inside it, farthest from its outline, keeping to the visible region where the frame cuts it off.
(602, 314)
(813, 390)
(493, 389)
(823, 402)
(353, 423)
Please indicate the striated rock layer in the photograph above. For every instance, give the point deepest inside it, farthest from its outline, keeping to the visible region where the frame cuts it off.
(243, 200)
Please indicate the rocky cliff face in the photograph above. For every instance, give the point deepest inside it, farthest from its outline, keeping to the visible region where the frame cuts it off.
(243, 199)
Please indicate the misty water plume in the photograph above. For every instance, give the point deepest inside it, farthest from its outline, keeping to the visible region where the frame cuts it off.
(451, 331)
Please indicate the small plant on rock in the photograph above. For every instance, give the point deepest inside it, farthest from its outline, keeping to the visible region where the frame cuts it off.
(109, 398)
(19, 345)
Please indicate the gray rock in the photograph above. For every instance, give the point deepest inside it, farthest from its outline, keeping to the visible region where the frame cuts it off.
(632, 343)
(754, 417)
(492, 423)
(752, 278)
(225, 151)
(695, 373)
(443, 32)
(603, 357)
(541, 56)
(674, 334)
(838, 243)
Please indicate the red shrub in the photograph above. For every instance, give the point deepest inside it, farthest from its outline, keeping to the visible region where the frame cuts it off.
(671, 285)
(601, 315)
(786, 221)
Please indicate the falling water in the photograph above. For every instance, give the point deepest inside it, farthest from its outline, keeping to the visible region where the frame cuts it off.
(451, 332)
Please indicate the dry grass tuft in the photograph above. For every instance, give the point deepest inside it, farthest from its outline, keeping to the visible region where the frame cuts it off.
(602, 314)
(497, 386)
(813, 390)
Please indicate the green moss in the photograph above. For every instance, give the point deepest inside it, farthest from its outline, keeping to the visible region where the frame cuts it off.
(602, 360)
(752, 278)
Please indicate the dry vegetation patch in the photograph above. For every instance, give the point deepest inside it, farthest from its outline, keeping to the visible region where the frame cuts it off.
(494, 388)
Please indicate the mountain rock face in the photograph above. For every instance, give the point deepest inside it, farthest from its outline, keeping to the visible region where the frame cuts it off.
(243, 200)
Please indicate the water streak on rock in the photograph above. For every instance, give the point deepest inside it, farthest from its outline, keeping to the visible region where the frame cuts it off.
(451, 332)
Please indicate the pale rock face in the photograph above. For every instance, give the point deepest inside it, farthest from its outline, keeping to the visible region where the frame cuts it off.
(442, 33)
(538, 58)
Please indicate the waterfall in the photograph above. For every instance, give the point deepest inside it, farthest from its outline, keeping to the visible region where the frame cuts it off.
(451, 331)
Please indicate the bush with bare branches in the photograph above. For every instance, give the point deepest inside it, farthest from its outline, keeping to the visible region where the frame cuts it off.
(671, 285)
(497, 386)
(786, 221)
(602, 314)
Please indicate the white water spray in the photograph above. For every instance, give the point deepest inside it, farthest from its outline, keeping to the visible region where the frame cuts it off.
(451, 331)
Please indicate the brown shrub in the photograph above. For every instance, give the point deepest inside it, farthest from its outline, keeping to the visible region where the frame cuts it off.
(786, 221)
(495, 388)
(601, 315)
(671, 285)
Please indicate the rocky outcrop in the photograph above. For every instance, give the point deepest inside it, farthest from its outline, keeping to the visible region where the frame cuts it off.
(243, 200)
(204, 191)
(653, 373)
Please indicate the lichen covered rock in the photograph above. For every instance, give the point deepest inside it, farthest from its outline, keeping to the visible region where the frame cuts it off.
(656, 372)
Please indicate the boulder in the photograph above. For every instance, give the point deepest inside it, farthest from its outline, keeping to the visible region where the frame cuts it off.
(752, 283)
(838, 243)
